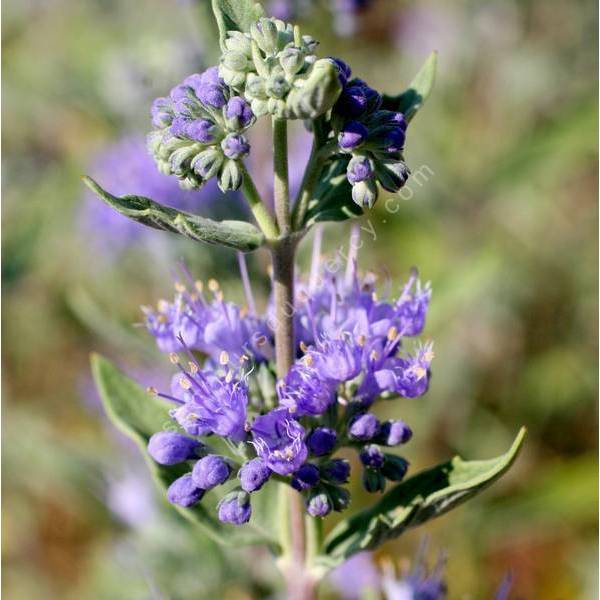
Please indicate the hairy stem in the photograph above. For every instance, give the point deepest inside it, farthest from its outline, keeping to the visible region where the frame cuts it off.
(257, 206)
(300, 585)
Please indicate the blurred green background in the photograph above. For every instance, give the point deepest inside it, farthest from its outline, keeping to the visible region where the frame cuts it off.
(503, 222)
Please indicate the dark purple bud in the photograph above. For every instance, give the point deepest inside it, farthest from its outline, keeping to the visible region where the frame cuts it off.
(336, 471)
(373, 481)
(352, 102)
(200, 130)
(359, 169)
(394, 467)
(210, 471)
(372, 456)
(374, 99)
(184, 492)
(319, 504)
(321, 441)
(253, 475)
(235, 508)
(239, 110)
(393, 433)
(161, 112)
(340, 498)
(343, 69)
(393, 140)
(352, 135)
(171, 448)
(305, 477)
(235, 146)
(364, 427)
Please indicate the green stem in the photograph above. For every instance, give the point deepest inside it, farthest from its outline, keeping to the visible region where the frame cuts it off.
(257, 206)
(280, 181)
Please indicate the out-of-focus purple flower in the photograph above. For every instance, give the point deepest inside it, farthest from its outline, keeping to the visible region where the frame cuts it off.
(279, 441)
(254, 474)
(357, 576)
(184, 492)
(130, 497)
(235, 508)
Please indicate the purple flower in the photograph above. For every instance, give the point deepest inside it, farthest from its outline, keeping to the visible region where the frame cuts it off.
(305, 477)
(352, 135)
(235, 145)
(171, 448)
(253, 475)
(279, 441)
(235, 508)
(336, 360)
(357, 576)
(393, 433)
(321, 441)
(364, 427)
(210, 471)
(359, 169)
(372, 456)
(411, 307)
(184, 492)
(212, 403)
(239, 111)
(304, 392)
(336, 471)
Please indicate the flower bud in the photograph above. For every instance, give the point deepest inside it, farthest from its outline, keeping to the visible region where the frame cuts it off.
(393, 433)
(238, 42)
(207, 163)
(230, 176)
(394, 467)
(184, 492)
(162, 114)
(344, 70)
(340, 498)
(316, 94)
(352, 135)
(364, 193)
(235, 145)
(364, 427)
(171, 448)
(318, 504)
(321, 441)
(235, 61)
(372, 456)
(235, 508)
(359, 169)
(305, 477)
(210, 471)
(238, 113)
(391, 174)
(336, 471)
(253, 475)
(277, 85)
(265, 34)
(373, 481)
(201, 130)
(352, 102)
(292, 60)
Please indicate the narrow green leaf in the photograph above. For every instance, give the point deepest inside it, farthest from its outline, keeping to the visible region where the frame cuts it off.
(139, 415)
(427, 495)
(234, 234)
(411, 100)
(235, 15)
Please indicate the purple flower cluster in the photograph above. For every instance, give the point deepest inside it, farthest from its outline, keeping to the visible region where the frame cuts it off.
(199, 131)
(374, 139)
(350, 352)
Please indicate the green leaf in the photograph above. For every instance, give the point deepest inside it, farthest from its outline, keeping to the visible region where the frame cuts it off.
(427, 495)
(234, 234)
(333, 197)
(235, 15)
(411, 100)
(139, 415)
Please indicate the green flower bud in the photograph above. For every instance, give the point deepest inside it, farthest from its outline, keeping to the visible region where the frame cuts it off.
(259, 107)
(373, 481)
(230, 177)
(239, 42)
(180, 159)
(236, 61)
(232, 78)
(255, 87)
(265, 33)
(315, 94)
(208, 162)
(277, 85)
(391, 174)
(292, 60)
(364, 193)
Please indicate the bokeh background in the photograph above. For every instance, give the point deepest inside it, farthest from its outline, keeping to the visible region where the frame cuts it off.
(503, 223)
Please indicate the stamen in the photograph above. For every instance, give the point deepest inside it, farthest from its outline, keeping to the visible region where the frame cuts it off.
(185, 383)
(193, 367)
(199, 285)
(174, 358)
(224, 357)
(246, 283)
(354, 243)
(392, 334)
(303, 347)
(213, 285)
(152, 390)
(179, 287)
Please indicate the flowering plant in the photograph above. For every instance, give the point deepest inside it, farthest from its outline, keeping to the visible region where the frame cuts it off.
(245, 441)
